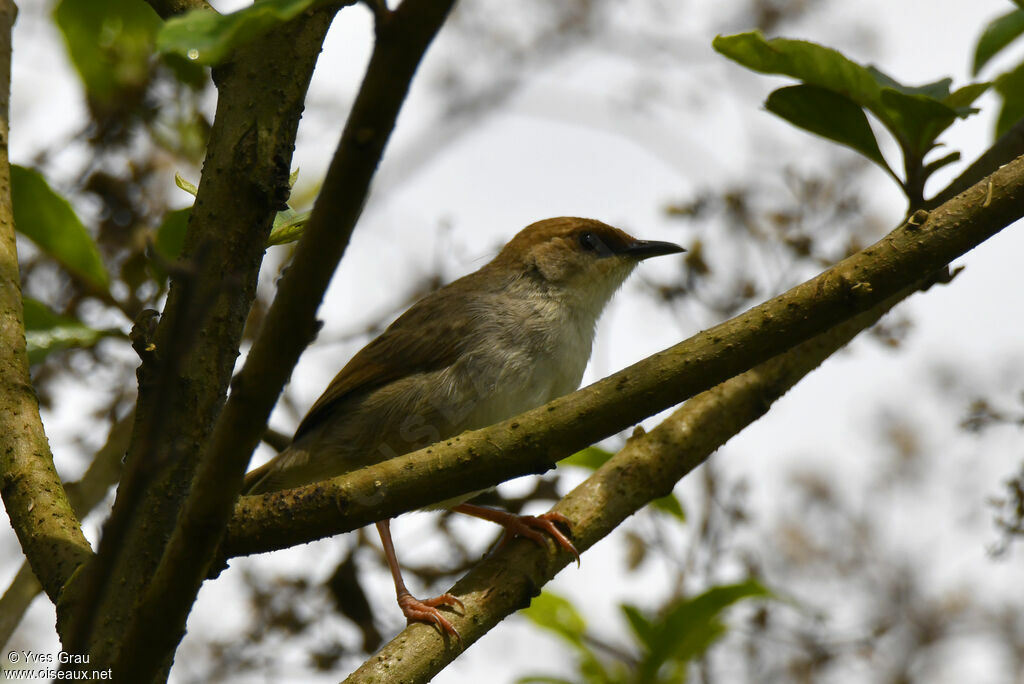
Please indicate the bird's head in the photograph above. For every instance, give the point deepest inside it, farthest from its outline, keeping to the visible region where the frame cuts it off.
(578, 255)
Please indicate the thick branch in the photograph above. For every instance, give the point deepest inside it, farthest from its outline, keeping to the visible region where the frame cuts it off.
(84, 495)
(648, 466)
(157, 626)
(188, 362)
(534, 441)
(49, 532)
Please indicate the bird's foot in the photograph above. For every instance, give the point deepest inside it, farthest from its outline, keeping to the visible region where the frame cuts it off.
(425, 610)
(535, 527)
(532, 527)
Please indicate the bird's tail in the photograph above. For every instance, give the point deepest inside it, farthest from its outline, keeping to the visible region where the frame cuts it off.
(256, 480)
(290, 468)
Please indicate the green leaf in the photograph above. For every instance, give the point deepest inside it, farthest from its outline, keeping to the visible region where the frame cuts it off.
(110, 43)
(828, 114)
(825, 68)
(643, 628)
(47, 331)
(1010, 86)
(590, 458)
(206, 37)
(933, 166)
(185, 185)
(170, 236)
(808, 62)
(288, 224)
(961, 99)
(188, 73)
(999, 33)
(46, 218)
(937, 90)
(670, 504)
(915, 115)
(556, 614)
(690, 626)
(691, 618)
(916, 120)
(288, 227)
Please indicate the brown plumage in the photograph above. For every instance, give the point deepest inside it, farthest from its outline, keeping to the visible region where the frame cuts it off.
(507, 338)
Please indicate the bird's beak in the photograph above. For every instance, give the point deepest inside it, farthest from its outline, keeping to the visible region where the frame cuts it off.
(644, 249)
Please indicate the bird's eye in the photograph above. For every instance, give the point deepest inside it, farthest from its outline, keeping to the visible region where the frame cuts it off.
(589, 242)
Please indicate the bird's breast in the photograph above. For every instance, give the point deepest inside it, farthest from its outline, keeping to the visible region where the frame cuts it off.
(529, 354)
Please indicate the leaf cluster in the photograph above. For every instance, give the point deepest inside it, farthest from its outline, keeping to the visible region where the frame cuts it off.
(836, 94)
(664, 645)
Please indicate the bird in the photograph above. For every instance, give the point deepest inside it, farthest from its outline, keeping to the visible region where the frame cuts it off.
(507, 338)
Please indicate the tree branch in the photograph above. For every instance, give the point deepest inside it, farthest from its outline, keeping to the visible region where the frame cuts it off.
(84, 495)
(184, 376)
(158, 623)
(534, 441)
(649, 466)
(49, 532)
(18, 596)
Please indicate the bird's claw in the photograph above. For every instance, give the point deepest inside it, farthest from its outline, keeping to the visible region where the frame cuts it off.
(534, 527)
(425, 610)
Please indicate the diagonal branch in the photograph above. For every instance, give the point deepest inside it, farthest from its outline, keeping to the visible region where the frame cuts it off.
(16, 599)
(84, 495)
(534, 441)
(49, 532)
(648, 466)
(159, 620)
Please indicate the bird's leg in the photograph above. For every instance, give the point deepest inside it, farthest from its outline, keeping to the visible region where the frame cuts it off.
(533, 527)
(413, 608)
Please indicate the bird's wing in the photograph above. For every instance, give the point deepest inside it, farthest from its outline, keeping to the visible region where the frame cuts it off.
(417, 342)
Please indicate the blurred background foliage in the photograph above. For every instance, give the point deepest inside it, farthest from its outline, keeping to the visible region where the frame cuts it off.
(819, 589)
